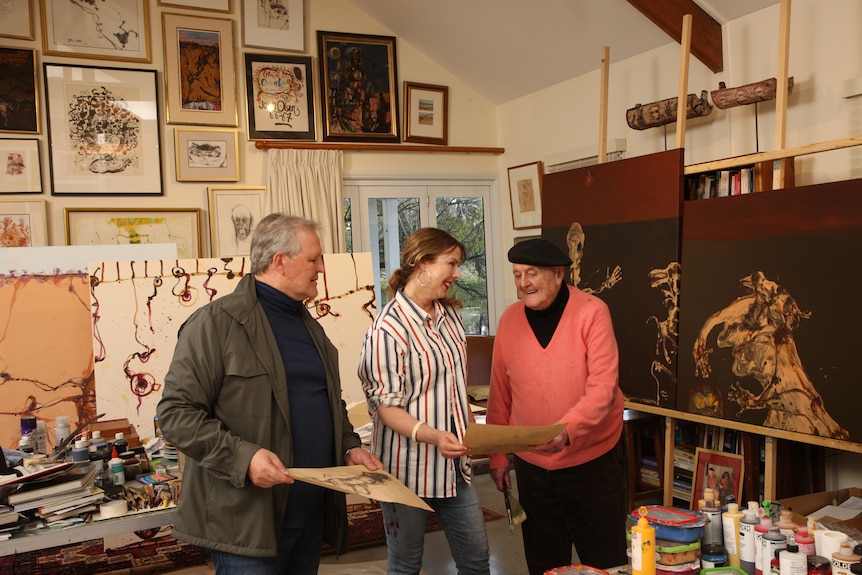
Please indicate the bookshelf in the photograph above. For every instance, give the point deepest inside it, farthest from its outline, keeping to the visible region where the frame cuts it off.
(737, 180)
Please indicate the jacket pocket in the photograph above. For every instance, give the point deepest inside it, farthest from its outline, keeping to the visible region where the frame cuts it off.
(247, 386)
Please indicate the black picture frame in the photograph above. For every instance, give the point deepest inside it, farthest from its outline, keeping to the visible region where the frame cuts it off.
(280, 97)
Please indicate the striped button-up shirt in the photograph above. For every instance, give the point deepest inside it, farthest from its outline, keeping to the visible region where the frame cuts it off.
(409, 360)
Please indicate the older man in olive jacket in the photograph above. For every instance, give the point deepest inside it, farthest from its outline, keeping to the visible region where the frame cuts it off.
(252, 388)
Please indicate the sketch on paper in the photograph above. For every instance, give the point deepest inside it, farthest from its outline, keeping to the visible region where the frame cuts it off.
(15, 231)
(110, 25)
(207, 153)
(139, 306)
(200, 69)
(273, 14)
(104, 132)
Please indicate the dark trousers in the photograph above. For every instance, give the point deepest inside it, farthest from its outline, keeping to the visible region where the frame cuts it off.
(584, 506)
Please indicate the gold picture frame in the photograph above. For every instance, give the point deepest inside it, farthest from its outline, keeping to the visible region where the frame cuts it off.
(23, 223)
(16, 19)
(199, 50)
(234, 212)
(525, 195)
(205, 5)
(426, 113)
(269, 25)
(115, 30)
(206, 155)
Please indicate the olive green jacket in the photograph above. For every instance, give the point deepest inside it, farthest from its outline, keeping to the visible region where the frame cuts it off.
(225, 397)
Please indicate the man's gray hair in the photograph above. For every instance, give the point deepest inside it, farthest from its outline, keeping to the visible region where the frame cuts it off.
(277, 233)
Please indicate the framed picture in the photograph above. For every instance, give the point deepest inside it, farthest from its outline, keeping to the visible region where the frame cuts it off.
(23, 224)
(20, 168)
(426, 113)
(105, 226)
(234, 212)
(19, 107)
(276, 25)
(721, 472)
(359, 87)
(103, 125)
(16, 19)
(280, 97)
(525, 193)
(206, 155)
(200, 86)
(115, 30)
(209, 5)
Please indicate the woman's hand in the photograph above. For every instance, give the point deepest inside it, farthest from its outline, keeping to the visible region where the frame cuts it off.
(448, 444)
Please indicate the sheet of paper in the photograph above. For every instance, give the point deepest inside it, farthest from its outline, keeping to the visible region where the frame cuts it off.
(489, 438)
(377, 485)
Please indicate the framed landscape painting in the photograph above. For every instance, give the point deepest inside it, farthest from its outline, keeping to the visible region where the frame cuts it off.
(280, 97)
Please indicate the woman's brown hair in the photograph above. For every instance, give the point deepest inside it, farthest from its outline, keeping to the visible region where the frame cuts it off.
(423, 245)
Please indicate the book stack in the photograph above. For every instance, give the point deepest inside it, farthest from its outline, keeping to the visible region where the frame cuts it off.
(68, 495)
(8, 522)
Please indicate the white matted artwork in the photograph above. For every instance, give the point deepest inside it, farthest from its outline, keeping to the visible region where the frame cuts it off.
(142, 304)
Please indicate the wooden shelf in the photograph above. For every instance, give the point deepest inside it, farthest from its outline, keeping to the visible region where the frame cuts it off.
(267, 144)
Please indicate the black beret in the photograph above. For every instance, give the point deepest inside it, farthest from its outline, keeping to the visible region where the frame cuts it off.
(538, 252)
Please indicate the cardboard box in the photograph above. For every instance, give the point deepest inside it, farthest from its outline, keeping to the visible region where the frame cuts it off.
(804, 505)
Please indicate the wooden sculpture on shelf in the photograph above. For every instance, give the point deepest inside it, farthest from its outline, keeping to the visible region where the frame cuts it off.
(761, 91)
(655, 114)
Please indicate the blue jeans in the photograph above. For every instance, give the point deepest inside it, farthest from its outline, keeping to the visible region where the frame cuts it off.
(298, 554)
(462, 520)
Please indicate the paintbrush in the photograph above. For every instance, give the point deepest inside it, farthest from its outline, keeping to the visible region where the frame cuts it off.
(514, 512)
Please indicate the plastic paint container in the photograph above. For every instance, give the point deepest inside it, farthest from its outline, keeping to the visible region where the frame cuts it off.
(712, 556)
(818, 565)
(674, 524)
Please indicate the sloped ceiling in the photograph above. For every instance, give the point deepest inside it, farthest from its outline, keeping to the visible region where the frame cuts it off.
(505, 49)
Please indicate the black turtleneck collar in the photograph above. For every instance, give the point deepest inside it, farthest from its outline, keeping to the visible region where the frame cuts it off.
(544, 321)
(274, 300)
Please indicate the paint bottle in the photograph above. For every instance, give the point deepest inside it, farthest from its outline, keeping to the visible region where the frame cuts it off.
(643, 546)
(759, 531)
(118, 473)
(819, 565)
(773, 541)
(730, 521)
(804, 540)
(792, 561)
(786, 524)
(81, 452)
(61, 429)
(844, 558)
(746, 538)
(712, 531)
(120, 442)
(712, 556)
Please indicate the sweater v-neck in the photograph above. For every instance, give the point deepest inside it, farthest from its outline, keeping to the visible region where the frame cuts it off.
(544, 322)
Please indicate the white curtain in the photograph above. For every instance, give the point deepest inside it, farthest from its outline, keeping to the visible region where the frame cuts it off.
(308, 183)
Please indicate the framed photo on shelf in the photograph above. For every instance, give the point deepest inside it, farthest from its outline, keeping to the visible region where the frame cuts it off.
(206, 155)
(23, 224)
(234, 212)
(115, 30)
(367, 114)
(16, 19)
(722, 472)
(208, 5)
(21, 170)
(426, 113)
(103, 125)
(101, 226)
(525, 194)
(200, 85)
(280, 97)
(19, 103)
(274, 25)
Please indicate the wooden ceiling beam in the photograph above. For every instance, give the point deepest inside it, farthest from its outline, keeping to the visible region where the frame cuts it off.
(705, 31)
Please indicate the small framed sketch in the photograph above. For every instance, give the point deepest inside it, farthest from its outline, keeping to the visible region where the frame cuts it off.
(234, 212)
(525, 193)
(280, 97)
(208, 5)
(206, 155)
(102, 226)
(426, 113)
(19, 104)
(16, 19)
(200, 85)
(275, 25)
(23, 224)
(20, 168)
(115, 30)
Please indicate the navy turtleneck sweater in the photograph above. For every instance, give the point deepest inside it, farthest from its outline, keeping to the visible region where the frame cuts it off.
(310, 412)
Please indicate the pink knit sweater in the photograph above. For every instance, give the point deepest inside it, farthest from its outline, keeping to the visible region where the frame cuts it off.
(575, 380)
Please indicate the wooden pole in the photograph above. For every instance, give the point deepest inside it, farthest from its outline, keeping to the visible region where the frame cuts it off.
(780, 168)
(603, 106)
(669, 442)
(682, 100)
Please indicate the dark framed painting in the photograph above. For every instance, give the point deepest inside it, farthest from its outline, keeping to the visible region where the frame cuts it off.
(280, 97)
(359, 87)
(19, 110)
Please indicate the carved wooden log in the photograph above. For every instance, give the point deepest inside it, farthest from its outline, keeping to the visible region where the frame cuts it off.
(748, 94)
(663, 112)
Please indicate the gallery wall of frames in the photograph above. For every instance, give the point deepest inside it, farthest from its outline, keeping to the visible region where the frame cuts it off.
(105, 101)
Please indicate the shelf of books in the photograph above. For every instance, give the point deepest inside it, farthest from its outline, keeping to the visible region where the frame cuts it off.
(738, 180)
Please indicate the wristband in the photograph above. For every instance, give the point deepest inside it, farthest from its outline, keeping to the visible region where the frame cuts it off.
(416, 431)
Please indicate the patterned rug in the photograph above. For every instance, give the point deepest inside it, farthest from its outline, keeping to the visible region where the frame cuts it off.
(365, 529)
(148, 557)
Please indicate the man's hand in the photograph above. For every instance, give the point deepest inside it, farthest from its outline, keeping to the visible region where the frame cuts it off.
(266, 469)
(554, 445)
(358, 456)
(500, 475)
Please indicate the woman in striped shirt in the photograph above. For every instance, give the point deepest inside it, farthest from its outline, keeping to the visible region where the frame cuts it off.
(413, 371)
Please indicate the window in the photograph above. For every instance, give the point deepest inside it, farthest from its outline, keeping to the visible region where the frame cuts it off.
(379, 216)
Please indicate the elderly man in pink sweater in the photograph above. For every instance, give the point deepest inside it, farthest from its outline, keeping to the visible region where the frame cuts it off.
(556, 361)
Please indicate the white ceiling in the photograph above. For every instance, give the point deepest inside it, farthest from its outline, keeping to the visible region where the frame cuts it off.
(505, 49)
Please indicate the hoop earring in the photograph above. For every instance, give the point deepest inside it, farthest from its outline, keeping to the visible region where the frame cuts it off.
(419, 280)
